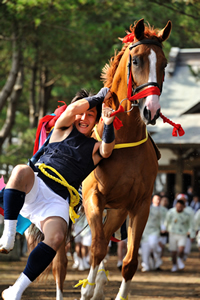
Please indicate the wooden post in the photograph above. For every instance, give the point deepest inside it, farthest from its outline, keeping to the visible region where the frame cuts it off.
(179, 173)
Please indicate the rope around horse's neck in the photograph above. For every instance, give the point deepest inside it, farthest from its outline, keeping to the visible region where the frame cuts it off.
(122, 145)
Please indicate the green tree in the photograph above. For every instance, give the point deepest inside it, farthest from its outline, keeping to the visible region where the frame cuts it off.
(52, 48)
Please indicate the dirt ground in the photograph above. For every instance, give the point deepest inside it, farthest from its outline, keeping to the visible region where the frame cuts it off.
(155, 285)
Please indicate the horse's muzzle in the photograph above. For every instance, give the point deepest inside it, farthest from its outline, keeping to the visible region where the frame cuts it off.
(147, 115)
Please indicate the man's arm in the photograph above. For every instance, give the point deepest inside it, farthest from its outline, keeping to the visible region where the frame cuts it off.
(104, 149)
(68, 116)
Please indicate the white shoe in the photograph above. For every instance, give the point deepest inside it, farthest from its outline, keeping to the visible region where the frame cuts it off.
(145, 268)
(7, 243)
(158, 263)
(180, 263)
(9, 294)
(174, 268)
(151, 263)
(8, 238)
(75, 265)
(86, 265)
(81, 266)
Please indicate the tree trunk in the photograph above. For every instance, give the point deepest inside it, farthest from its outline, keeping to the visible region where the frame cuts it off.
(13, 99)
(32, 102)
(45, 93)
(8, 87)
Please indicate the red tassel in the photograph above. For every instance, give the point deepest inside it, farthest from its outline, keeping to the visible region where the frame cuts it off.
(117, 123)
(177, 130)
(128, 38)
(120, 109)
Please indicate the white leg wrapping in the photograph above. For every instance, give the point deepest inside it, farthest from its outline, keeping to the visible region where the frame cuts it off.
(101, 281)
(88, 290)
(59, 294)
(123, 291)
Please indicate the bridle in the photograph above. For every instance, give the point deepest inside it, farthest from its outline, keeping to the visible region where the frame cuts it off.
(131, 91)
(135, 94)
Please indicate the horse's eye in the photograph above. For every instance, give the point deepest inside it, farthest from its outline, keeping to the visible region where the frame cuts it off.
(135, 61)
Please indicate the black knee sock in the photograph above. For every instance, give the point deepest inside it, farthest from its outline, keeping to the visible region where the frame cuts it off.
(13, 200)
(38, 260)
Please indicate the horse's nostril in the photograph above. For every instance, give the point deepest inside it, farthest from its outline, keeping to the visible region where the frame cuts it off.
(147, 114)
(153, 122)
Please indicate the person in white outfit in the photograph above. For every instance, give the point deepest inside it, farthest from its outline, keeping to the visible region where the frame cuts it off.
(197, 227)
(178, 224)
(82, 239)
(195, 204)
(164, 204)
(150, 248)
(191, 212)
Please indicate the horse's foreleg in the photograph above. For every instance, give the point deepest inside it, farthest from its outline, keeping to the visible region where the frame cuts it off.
(137, 223)
(59, 269)
(93, 210)
(88, 284)
(101, 281)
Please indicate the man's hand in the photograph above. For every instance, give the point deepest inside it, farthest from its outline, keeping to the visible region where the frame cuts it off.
(106, 112)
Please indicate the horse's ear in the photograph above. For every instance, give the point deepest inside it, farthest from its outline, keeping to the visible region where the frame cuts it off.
(165, 32)
(139, 30)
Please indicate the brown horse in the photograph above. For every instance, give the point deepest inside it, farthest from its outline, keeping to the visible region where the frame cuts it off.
(124, 182)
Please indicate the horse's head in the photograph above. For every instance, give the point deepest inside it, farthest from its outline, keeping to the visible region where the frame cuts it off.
(147, 63)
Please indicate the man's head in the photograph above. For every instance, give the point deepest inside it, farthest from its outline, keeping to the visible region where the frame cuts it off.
(86, 121)
(164, 201)
(182, 197)
(156, 200)
(180, 205)
(195, 198)
(84, 94)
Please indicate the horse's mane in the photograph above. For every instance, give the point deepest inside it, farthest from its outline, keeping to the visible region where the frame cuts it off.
(110, 68)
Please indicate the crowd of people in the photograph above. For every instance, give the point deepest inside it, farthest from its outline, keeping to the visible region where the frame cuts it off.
(177, 227)
(168, 228)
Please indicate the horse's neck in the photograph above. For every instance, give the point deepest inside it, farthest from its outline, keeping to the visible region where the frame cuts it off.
(133, 129)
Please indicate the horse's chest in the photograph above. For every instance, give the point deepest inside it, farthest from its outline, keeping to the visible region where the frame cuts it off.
(124, 171)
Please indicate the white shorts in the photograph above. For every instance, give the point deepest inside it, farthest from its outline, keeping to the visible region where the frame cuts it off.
(176, 241)
(163, 240)
(41, 202)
